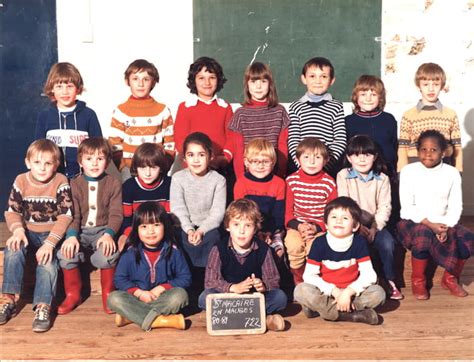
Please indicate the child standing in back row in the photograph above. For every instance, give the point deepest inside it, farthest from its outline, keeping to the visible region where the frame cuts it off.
(317, 114)
(260, 117)
(429, 113)
(67, 122)
(140, 119)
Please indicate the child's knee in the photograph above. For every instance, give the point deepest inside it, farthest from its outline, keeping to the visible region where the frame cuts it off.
(114, 300)
(294, 243)
(178, 297)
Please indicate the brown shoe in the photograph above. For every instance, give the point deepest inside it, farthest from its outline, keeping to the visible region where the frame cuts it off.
(275, 322)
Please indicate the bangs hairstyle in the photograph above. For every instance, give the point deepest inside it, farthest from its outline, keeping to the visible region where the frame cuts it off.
(366, 83)
(312, 144)
(345, 203)
(92, 145)
(151, 212)
(318, 62)
(198, 138)
(142, 65)
(63, 73)
(260, 147)
(362, 144)
(44, 146)
(434, 135)
(149, 155)
(243, 209)
(212, 66)
(257, 71)
(430, 71)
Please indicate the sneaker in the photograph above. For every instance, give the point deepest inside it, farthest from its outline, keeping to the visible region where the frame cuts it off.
(7, 309)
(395, 293)
(42, 321)
(308, 312)
(275, 322)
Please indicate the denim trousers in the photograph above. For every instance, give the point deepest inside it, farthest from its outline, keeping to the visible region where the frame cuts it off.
(88, 242)
(311, 297)
(14, 268)
(384, 243)
(198, 254)
(143, 314)
(275, 299)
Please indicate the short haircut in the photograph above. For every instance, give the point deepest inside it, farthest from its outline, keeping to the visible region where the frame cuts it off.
(198, 138)
(318, 62)
(313, 144)
(243, 208)
(346, 203)
(363, 144)
(44, 146)
(260, 146)
(142, 65)
(365, 83)
(63, 73)
(212, 66)
(151, 155)
(257, 71)
(435, 135)
(430, 71)
(93, 145)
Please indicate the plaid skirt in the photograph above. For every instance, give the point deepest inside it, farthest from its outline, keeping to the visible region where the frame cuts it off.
(420, 238)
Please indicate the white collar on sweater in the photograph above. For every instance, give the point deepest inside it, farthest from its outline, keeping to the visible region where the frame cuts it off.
(339, 245)
(193, 99)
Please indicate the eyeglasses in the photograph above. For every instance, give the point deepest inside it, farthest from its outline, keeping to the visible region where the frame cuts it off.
(265, 163)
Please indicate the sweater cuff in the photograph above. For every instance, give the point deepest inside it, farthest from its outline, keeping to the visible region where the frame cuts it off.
(110, 231)
(132, 290)
(167, 286)
(228, 155)
(72, 232)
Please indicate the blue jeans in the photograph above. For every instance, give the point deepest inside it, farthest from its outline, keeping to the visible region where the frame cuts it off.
(275, 299)
(198, 254)
(384, 243)
(88, 240)
(143, 314)
(14, 268)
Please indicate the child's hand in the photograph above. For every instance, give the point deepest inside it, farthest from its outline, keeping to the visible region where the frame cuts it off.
(158, 290)
(364, 231)
(195, 237)
(442, 237)
(258, 284)
(242, 287)
(44, 254)
(436, 227)
(344, 300)
(371, 235)
(70, 247)
(145, 296)
(14, 241)
(335, 293)
(265, 236)
(122, 240)
(309, 232)
(107, 243)
(218, 162)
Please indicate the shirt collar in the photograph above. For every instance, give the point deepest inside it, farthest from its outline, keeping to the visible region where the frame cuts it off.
(193, 99)
(353, 173)
(420, 106)
(316, 98)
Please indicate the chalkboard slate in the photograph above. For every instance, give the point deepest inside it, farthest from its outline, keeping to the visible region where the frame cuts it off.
(230, 314)
(285, 34)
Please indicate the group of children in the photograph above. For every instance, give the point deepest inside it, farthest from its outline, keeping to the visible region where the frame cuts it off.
(313, 193)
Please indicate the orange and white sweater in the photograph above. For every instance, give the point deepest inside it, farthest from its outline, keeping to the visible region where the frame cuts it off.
(138, 121)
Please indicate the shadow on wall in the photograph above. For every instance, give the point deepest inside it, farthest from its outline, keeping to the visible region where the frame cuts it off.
(468, 173)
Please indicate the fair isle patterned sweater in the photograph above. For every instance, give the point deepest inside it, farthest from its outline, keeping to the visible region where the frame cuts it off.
(40, 207)
(138, 121)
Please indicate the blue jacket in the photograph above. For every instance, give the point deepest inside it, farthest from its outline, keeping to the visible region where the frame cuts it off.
(174, 271)
(68, 130)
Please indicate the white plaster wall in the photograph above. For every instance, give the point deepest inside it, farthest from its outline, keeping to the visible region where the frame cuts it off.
(101, 37)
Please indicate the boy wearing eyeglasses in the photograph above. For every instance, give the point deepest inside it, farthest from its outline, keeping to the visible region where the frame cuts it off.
(308, 191)
(268, 190)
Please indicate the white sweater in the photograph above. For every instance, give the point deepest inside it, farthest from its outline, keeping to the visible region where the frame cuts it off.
(432, 193)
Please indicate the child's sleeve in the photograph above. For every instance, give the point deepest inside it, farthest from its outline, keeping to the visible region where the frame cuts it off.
(94, 126)
(181, 275)
(282, 152)
(214, 278)
(115, 214)
(117, 130)
(455, 137)
(14, 213)
(65, 212)
(75, 226)
(312, 272)
(289, 204)
(367, 275)
(239, 189)
(384, 203)
(408, 209)
(404, 140)
(341, 182)
(294, 132)
(217, 211)
(454, 207)
(238, 154)
(181, 127)
(270, 274)
(122, 280)
(278, 212)
(178, 203)
(127, 206)
(168, 134)
(338, 145)
(40, 128)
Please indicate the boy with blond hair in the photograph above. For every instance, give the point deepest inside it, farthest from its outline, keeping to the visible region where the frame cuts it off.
(39, 212)
(308, 191)
(429, 113)
(97, 199)
(242, 263)
(140, 119)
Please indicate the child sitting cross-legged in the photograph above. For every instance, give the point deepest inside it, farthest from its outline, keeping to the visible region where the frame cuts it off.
(243, 263)
(339, 280)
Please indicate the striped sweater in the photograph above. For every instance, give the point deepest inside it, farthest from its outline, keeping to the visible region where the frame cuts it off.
(307, 196)
(138, 121)
(40, 207)
(416, 120)
(323, 120)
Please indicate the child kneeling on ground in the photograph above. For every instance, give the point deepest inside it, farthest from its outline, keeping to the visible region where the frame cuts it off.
(152, 273)
(339, 279)
(243, 263)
